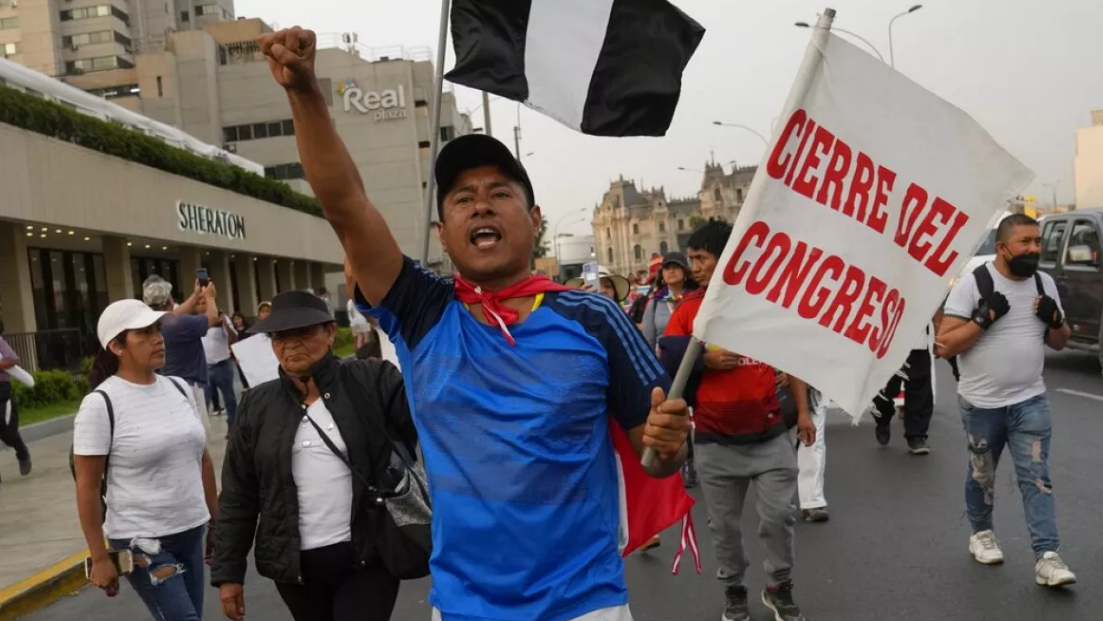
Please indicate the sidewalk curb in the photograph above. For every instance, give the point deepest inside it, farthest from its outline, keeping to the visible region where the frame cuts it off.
(43, 588)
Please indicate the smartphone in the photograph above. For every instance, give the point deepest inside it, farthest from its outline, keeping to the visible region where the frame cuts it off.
(203, 278)
(123, 561)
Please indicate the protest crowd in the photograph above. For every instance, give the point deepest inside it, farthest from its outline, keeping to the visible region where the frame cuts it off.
(458, 445)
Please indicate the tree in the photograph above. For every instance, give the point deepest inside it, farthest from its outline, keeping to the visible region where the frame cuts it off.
(541, 248)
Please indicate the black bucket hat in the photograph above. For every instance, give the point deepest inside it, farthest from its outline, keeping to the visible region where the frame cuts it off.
(473, 151)
(679, 259)
(292, 310)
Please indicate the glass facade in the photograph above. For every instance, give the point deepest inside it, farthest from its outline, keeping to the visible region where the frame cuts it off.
(142, 268)
(70, 292)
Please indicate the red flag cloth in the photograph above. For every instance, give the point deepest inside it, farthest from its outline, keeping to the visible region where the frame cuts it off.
(649, 505)
(493, 309)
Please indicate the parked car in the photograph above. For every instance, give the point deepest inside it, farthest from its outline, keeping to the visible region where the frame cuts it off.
(1071, 255)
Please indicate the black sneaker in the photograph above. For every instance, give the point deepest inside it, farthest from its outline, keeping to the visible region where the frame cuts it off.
(780, 600)
(883, 433)
(25, 466)
(918, 446)
(735, 604)
(816, 515)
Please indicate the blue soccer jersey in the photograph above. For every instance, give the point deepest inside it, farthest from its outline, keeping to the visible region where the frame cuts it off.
(522, 473)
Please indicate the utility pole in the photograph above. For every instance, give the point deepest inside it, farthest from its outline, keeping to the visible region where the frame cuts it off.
(486, 113)
(517, 134)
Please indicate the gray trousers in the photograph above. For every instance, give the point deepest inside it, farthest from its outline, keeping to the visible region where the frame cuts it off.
(725, 474)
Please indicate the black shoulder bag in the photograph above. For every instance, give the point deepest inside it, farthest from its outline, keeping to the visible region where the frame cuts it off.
(404, 541)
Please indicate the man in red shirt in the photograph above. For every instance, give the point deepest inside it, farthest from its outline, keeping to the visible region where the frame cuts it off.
(741, 440)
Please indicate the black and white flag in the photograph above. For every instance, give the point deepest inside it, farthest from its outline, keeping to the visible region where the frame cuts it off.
(601, 67)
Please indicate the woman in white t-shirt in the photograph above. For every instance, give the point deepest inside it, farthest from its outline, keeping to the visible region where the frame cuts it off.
(144, 431)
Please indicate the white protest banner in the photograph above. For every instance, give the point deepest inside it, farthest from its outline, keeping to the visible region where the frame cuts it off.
(872, 196)
(257, 360)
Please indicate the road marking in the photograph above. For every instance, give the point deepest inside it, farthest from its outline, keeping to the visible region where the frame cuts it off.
(1077, 393)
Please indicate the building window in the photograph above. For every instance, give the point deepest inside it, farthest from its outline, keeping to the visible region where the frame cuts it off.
(128, 90)
(8, 49)
(681, 225)
(102, 63)
(160, 87)
(635, 229)
(608, 234)
(9, 23)
(421, 103)
(662, 227)
(1052, 237)
(101, 36)
(609, 254)
(739, 195)
(664, 248)
(638, 252)
(210, 9)
(447, 133)
(716, 194)
(285, 172)
(257, 131)
(184, 16)
(424, 144)
(103, 10)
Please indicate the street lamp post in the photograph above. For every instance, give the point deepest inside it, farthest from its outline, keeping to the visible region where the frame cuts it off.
(764, 139)
(853, 34)
(892, 53)
(1053, 186)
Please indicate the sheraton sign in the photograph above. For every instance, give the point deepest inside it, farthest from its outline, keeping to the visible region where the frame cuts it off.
(206, 221)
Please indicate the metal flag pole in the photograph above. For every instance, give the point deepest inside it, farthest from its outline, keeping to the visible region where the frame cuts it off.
(813, 56)
(434, 136)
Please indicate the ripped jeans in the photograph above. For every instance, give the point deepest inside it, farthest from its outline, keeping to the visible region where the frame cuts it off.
(169, 574)
(1025, 429)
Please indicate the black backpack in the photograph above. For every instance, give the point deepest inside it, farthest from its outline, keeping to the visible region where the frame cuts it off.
(985, 286)
(107, 459)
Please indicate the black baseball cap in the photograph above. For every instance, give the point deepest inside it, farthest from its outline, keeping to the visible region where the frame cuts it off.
(473, 151)
(676, 258)
(292, 310)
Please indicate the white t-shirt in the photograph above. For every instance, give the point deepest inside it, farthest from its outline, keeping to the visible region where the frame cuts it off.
(155, 473)
(1004, 366)
(356, 319)
(324, 482)
(217, 344)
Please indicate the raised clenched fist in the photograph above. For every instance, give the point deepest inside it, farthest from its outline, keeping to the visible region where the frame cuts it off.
(291, 53)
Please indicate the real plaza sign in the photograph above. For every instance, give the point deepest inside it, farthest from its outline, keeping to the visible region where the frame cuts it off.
(384, 106)
(206, 221)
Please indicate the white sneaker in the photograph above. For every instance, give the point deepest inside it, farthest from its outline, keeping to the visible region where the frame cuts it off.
(985, 549)
(1051, 571)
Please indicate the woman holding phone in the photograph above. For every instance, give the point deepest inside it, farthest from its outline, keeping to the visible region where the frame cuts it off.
(140, 433)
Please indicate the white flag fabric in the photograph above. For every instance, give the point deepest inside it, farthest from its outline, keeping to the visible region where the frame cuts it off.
(872, 196)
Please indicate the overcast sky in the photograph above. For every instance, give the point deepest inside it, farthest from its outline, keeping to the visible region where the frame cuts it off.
(1027, 70)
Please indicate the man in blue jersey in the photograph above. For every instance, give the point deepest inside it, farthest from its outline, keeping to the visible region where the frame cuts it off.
(512, 379)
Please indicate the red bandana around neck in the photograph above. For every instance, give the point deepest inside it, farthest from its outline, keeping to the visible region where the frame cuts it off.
(492, 301)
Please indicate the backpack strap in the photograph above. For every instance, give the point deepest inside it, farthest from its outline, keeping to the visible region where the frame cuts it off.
(111, 423)
(1038, 283)
(985, 284)
(178, 387)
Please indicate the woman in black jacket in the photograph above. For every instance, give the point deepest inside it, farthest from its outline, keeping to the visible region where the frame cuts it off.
(315, 530)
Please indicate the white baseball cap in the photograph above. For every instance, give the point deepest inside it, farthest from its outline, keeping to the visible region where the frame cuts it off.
(125, 315)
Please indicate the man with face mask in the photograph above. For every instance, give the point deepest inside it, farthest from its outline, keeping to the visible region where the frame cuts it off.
(998, 323)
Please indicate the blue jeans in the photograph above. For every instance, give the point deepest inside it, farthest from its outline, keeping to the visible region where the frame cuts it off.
(170, 580)
(221, 378)
(1025, 429)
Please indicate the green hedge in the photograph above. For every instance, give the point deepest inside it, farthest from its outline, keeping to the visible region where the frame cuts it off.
(342, 338)
(48, 118)
(50, 387)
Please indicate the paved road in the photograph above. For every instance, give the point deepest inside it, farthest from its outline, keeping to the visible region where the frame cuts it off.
(895, 549)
